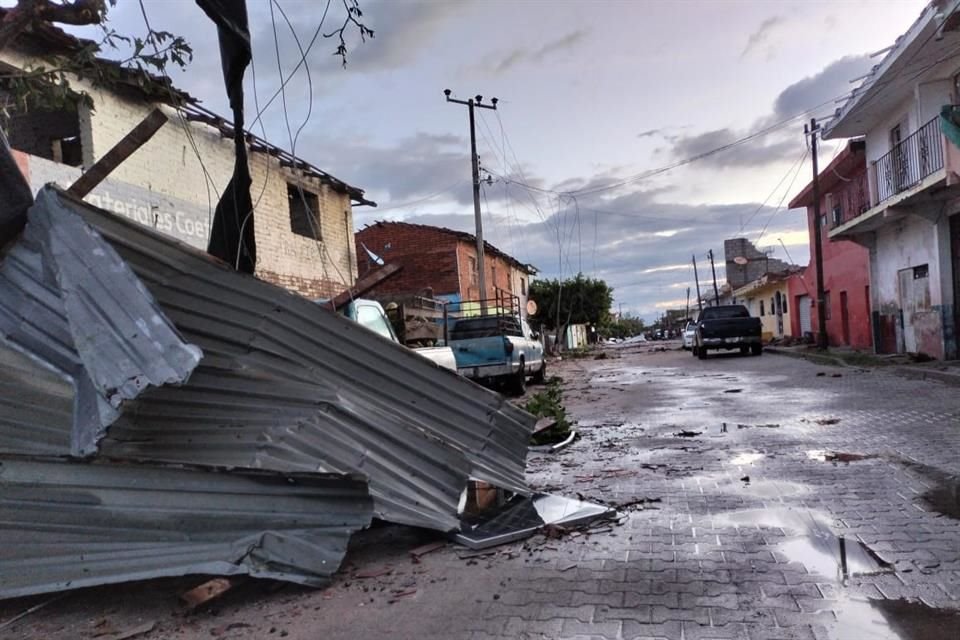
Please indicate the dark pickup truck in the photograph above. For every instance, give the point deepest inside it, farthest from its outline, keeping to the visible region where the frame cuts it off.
(728, 327)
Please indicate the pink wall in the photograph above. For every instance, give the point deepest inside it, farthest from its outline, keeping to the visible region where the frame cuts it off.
(846, 265)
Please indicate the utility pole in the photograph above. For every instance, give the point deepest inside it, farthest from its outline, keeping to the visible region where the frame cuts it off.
(475, 165)
(688, 303)
(697, 280)
(716, 292)
(812, 130)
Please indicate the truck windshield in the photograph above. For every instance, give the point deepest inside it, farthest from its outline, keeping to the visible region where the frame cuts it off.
(724, 313)
(372, 318)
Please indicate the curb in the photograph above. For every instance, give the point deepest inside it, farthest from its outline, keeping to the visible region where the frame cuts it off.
(816, 358)
(913, 373)
(920, 373)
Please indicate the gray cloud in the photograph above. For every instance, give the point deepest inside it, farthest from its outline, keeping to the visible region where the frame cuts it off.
(831, 82)
(782, 144)
(649, 133)
(762, 34)
(756, 154)
(523, 55)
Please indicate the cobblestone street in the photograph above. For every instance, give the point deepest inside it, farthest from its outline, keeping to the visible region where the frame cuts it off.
(761, 497)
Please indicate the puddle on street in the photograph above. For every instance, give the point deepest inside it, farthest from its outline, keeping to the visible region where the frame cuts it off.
(815, 546)
(746, 458)
(893, 620)
(945, 499)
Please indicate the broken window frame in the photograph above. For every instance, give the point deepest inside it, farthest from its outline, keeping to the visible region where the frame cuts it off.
(303, 207)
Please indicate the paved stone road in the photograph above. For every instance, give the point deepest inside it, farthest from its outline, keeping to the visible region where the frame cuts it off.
(770, 498)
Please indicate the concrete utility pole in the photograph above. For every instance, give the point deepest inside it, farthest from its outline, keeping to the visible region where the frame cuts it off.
(475, 164)
(812, 130)
(688, 303)
(696, 279)
(716, 292)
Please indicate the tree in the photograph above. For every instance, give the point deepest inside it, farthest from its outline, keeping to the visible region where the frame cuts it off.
(47, 85)
(579, 300)
(625, 326)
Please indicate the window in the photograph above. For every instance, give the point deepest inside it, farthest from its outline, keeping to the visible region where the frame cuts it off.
(761, 308)
(773, 308)
(785, 310)
(837, 215)
(304, 212)
(372, 318)
(472, 262)
(51, 133)
(823, 221)
(523, 286)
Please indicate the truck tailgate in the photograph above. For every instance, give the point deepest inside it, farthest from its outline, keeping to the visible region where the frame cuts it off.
(479, 352)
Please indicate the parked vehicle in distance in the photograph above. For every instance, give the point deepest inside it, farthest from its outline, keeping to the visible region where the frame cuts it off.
(689, 333)
(498, 348)
(370, 314)
(727, 327)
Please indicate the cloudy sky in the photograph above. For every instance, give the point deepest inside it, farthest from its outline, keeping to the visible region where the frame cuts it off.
(594, 97)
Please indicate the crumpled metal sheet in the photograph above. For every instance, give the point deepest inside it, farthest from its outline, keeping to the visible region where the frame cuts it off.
(289, 386)
(69, 524)
(70, 302)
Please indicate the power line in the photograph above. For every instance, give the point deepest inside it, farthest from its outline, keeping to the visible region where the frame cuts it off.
(780, 204)
(403, 205)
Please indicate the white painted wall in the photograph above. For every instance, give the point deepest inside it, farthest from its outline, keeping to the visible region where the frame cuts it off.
(910, 242)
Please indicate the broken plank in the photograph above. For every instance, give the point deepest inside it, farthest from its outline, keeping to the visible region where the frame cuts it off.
(207, 591)
(118, 154)
(363, 285)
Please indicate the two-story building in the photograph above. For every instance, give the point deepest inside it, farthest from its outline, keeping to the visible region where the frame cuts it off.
(911, 230)
(440, 263)
(303, 216)
(844, 195)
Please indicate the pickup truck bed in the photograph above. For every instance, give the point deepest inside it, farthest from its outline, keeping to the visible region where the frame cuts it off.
(497, 349)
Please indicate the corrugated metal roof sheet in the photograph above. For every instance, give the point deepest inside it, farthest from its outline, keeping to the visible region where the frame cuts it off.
(288, 386)
(68, 300)
(68, 524)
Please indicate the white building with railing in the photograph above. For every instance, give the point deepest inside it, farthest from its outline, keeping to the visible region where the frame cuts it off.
(911, 227)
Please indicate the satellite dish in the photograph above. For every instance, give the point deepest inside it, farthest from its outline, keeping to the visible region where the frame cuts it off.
(740, 260)
(531, 308)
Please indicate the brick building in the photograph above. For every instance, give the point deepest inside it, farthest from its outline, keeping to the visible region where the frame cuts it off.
(845, 194)
(439, 262)
(173, 182)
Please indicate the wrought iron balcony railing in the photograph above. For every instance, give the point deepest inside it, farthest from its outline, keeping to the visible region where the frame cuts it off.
(913, 159)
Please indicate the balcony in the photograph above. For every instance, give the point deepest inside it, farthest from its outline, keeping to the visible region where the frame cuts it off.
(906, 165)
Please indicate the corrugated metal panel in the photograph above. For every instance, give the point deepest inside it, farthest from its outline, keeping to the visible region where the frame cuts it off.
(68, 300)
(66, 525)
(288, 386)
(36, 406)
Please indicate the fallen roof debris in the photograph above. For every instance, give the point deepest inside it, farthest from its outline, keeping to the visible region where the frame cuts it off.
(248, 430)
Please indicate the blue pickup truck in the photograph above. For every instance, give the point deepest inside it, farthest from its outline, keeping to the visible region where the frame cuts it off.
(498, 349)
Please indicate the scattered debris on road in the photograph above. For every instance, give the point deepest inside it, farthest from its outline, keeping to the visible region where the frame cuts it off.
(687, 434)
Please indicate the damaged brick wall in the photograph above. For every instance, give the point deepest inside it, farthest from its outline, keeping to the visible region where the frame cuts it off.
(164, 185)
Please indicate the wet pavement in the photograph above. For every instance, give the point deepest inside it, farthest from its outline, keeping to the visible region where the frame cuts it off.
(759, 498)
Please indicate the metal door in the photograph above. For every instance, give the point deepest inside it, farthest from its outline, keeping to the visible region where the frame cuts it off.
(803, 309)
(907, 308)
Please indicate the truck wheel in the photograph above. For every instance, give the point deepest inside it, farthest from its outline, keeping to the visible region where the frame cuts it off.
(694, 350)
(744, 350)
(702, 353)
(756, 349)
(541, 375)
(519, 383)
